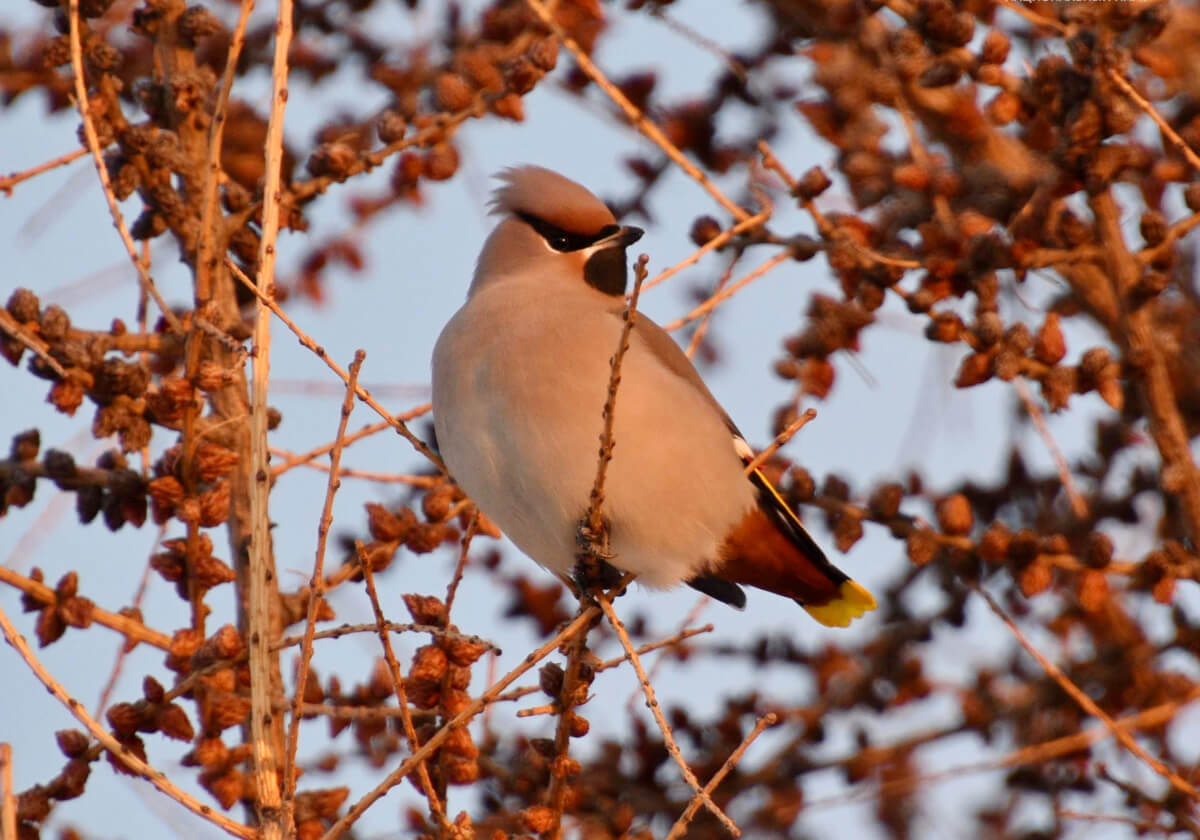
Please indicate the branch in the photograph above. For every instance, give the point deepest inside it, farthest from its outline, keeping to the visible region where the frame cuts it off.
(681, 824)
(93, 143)
(316, 589)
(361, 392)
(605, 603)
(640, 121)
(1087, 703)
(461, 719)
(593, 533)
(12, 179)
(118, 750)
(262, 584)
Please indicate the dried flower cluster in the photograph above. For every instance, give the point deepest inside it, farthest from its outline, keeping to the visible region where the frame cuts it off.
(979, 148)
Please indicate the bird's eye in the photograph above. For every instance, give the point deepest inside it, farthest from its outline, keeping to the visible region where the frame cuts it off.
(560, 243)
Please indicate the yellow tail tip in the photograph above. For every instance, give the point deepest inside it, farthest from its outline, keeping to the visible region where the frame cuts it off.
(852, 601)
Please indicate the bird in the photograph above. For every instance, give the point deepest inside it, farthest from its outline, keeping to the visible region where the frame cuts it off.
(520, 376)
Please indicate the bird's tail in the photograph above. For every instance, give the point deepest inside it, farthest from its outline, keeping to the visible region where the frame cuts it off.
(770, 549)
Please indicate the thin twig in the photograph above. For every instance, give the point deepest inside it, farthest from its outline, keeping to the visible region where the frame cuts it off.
(1087, 703)
(729, 291)
(718, 241)
(1165, 127)
(362, 393)
(681, 824)
(130, 628)
(594, 519)
(264, 733)
(462, 718)
(565, 706)
(436, 807)
(296, 460)
(118, 750)
(701, 328)
(461, 565)
(93, 143)
(828, 231)
(315, 591)
(206, 261)
(367, 475)
(1078, 505)
(40, 348)
(605, 604)
(640, 121)
(782, 438)
(12, 179)
(8, 801)
(1021, 757)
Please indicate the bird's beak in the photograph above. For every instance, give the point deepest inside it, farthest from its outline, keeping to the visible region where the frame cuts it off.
(623, 238)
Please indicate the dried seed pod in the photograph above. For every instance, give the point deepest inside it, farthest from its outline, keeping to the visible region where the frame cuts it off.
(441, 163)
(812, 183)
(24, 306)
(426, 609)
(72, 742)
(544, 52)
(452, 93)
(332, 160)
(922, 546)
(974, 370)
(1035, 578)
(955, 516)
(995, 48)
(537, 819)
(704, 230)
(1049, 346)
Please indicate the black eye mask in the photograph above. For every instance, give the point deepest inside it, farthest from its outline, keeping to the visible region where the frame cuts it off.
(565, 241)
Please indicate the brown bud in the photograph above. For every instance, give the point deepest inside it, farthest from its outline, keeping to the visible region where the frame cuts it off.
(946, 327)
(974, 370)
(391, 126)
(544, 53)
(1035, 578)
(72, 742)
(124, 718)
(441, 163)
(1164, 590)
(922, 546)
(954, 515)
(24, 306)
(579, 725)
(173, 722)
(812, 183)
(387, 526)
(538, 819)
(437, 502)
(1049, 346)
(523, 76)
(460, 771)
(452, 93)
(426, 609)
(223, 709)
(461, 744)
(1004, 108)
(429, 664)
(995, 48)
(214, 506)
(510, 107)
(462, 651)
(214, 461)
(885, 501)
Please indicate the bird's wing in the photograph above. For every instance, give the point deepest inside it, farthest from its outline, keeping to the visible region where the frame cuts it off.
(831, 596)
(660, 344)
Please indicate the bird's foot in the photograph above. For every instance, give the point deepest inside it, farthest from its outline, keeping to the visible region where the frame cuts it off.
(592, 570)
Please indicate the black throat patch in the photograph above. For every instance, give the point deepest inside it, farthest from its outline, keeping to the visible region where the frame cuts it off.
(607, 271)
